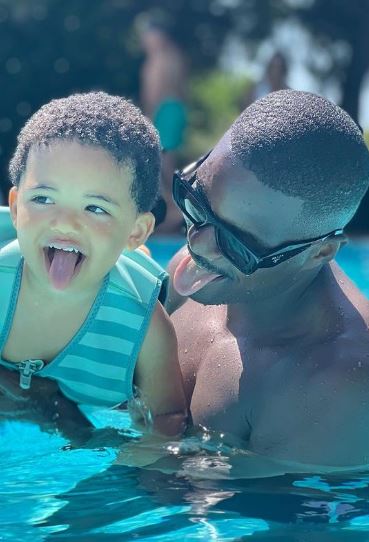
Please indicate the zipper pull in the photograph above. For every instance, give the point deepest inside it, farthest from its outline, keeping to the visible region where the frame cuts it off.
(26, 370)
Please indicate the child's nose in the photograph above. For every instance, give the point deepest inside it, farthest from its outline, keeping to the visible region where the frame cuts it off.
(66, 221)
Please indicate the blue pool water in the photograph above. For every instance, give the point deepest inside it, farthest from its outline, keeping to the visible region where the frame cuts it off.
(164, 248)
(354, 259)
(50, 492)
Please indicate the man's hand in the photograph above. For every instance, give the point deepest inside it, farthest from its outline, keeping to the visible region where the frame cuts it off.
(43, 404)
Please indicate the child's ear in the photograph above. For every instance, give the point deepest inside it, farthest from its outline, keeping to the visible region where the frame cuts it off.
(12, 199)
(141, 230)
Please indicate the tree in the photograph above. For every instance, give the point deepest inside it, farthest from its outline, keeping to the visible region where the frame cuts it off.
(338, 22)
(339, 27)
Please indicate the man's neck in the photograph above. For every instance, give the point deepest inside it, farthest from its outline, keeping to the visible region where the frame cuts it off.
(304, 312)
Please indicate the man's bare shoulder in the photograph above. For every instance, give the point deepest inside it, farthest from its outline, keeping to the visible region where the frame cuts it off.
(353, 302)
(201, 337)
(351, 344)
(212, 368)
(195, 318)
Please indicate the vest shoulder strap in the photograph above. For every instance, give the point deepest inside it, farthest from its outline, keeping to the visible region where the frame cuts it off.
(7, 230)
(10, 258)
(139, 275)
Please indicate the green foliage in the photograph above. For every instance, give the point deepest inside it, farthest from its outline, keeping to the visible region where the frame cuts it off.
(215, 102)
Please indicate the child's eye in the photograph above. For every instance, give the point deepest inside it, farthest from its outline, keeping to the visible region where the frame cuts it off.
(96, 210)
(42, 200)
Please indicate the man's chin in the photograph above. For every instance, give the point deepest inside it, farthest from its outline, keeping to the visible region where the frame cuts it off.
(212, 293)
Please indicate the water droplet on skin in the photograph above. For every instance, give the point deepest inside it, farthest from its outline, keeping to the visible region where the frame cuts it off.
(185, 350)
(218, 364)
(212, 340)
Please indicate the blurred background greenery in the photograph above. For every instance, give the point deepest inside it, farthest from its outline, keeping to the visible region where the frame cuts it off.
(51, 48)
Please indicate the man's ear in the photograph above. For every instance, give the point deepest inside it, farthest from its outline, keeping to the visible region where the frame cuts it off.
(328, 250)
(12, 200)
(141, 230)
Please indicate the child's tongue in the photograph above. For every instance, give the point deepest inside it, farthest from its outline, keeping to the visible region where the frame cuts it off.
(189, 278)
(62, 268)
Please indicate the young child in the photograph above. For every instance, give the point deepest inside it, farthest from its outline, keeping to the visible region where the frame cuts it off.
(75, 308)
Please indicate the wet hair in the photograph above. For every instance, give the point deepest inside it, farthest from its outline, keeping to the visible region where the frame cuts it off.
(100, 120)
(305, 146)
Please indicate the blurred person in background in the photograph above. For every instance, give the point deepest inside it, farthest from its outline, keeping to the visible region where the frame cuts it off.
(274, 78)
(163, 95)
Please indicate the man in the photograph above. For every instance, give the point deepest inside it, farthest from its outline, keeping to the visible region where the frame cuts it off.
(274, 342)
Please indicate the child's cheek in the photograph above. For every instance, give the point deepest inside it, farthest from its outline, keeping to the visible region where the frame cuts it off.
(103, 228)
(26, 216)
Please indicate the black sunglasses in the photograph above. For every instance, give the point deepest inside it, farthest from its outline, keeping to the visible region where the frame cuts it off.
(230, 244)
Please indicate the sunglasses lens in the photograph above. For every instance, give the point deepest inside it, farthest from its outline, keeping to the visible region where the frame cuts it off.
(189, 204)
(239, 255)
(197, 213)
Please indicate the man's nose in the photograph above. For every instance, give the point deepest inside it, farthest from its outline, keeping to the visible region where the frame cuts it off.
(66, 221)
(202, 241)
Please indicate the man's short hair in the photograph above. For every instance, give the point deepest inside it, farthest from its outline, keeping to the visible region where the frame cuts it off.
(101, 120)
(305, 146)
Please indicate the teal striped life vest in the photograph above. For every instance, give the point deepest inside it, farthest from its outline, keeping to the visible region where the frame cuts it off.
(97, 366)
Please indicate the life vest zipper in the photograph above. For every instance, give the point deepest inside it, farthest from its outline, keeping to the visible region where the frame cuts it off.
(26, 370)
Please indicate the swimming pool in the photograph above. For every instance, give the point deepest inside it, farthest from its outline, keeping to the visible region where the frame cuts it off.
(52, 492)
